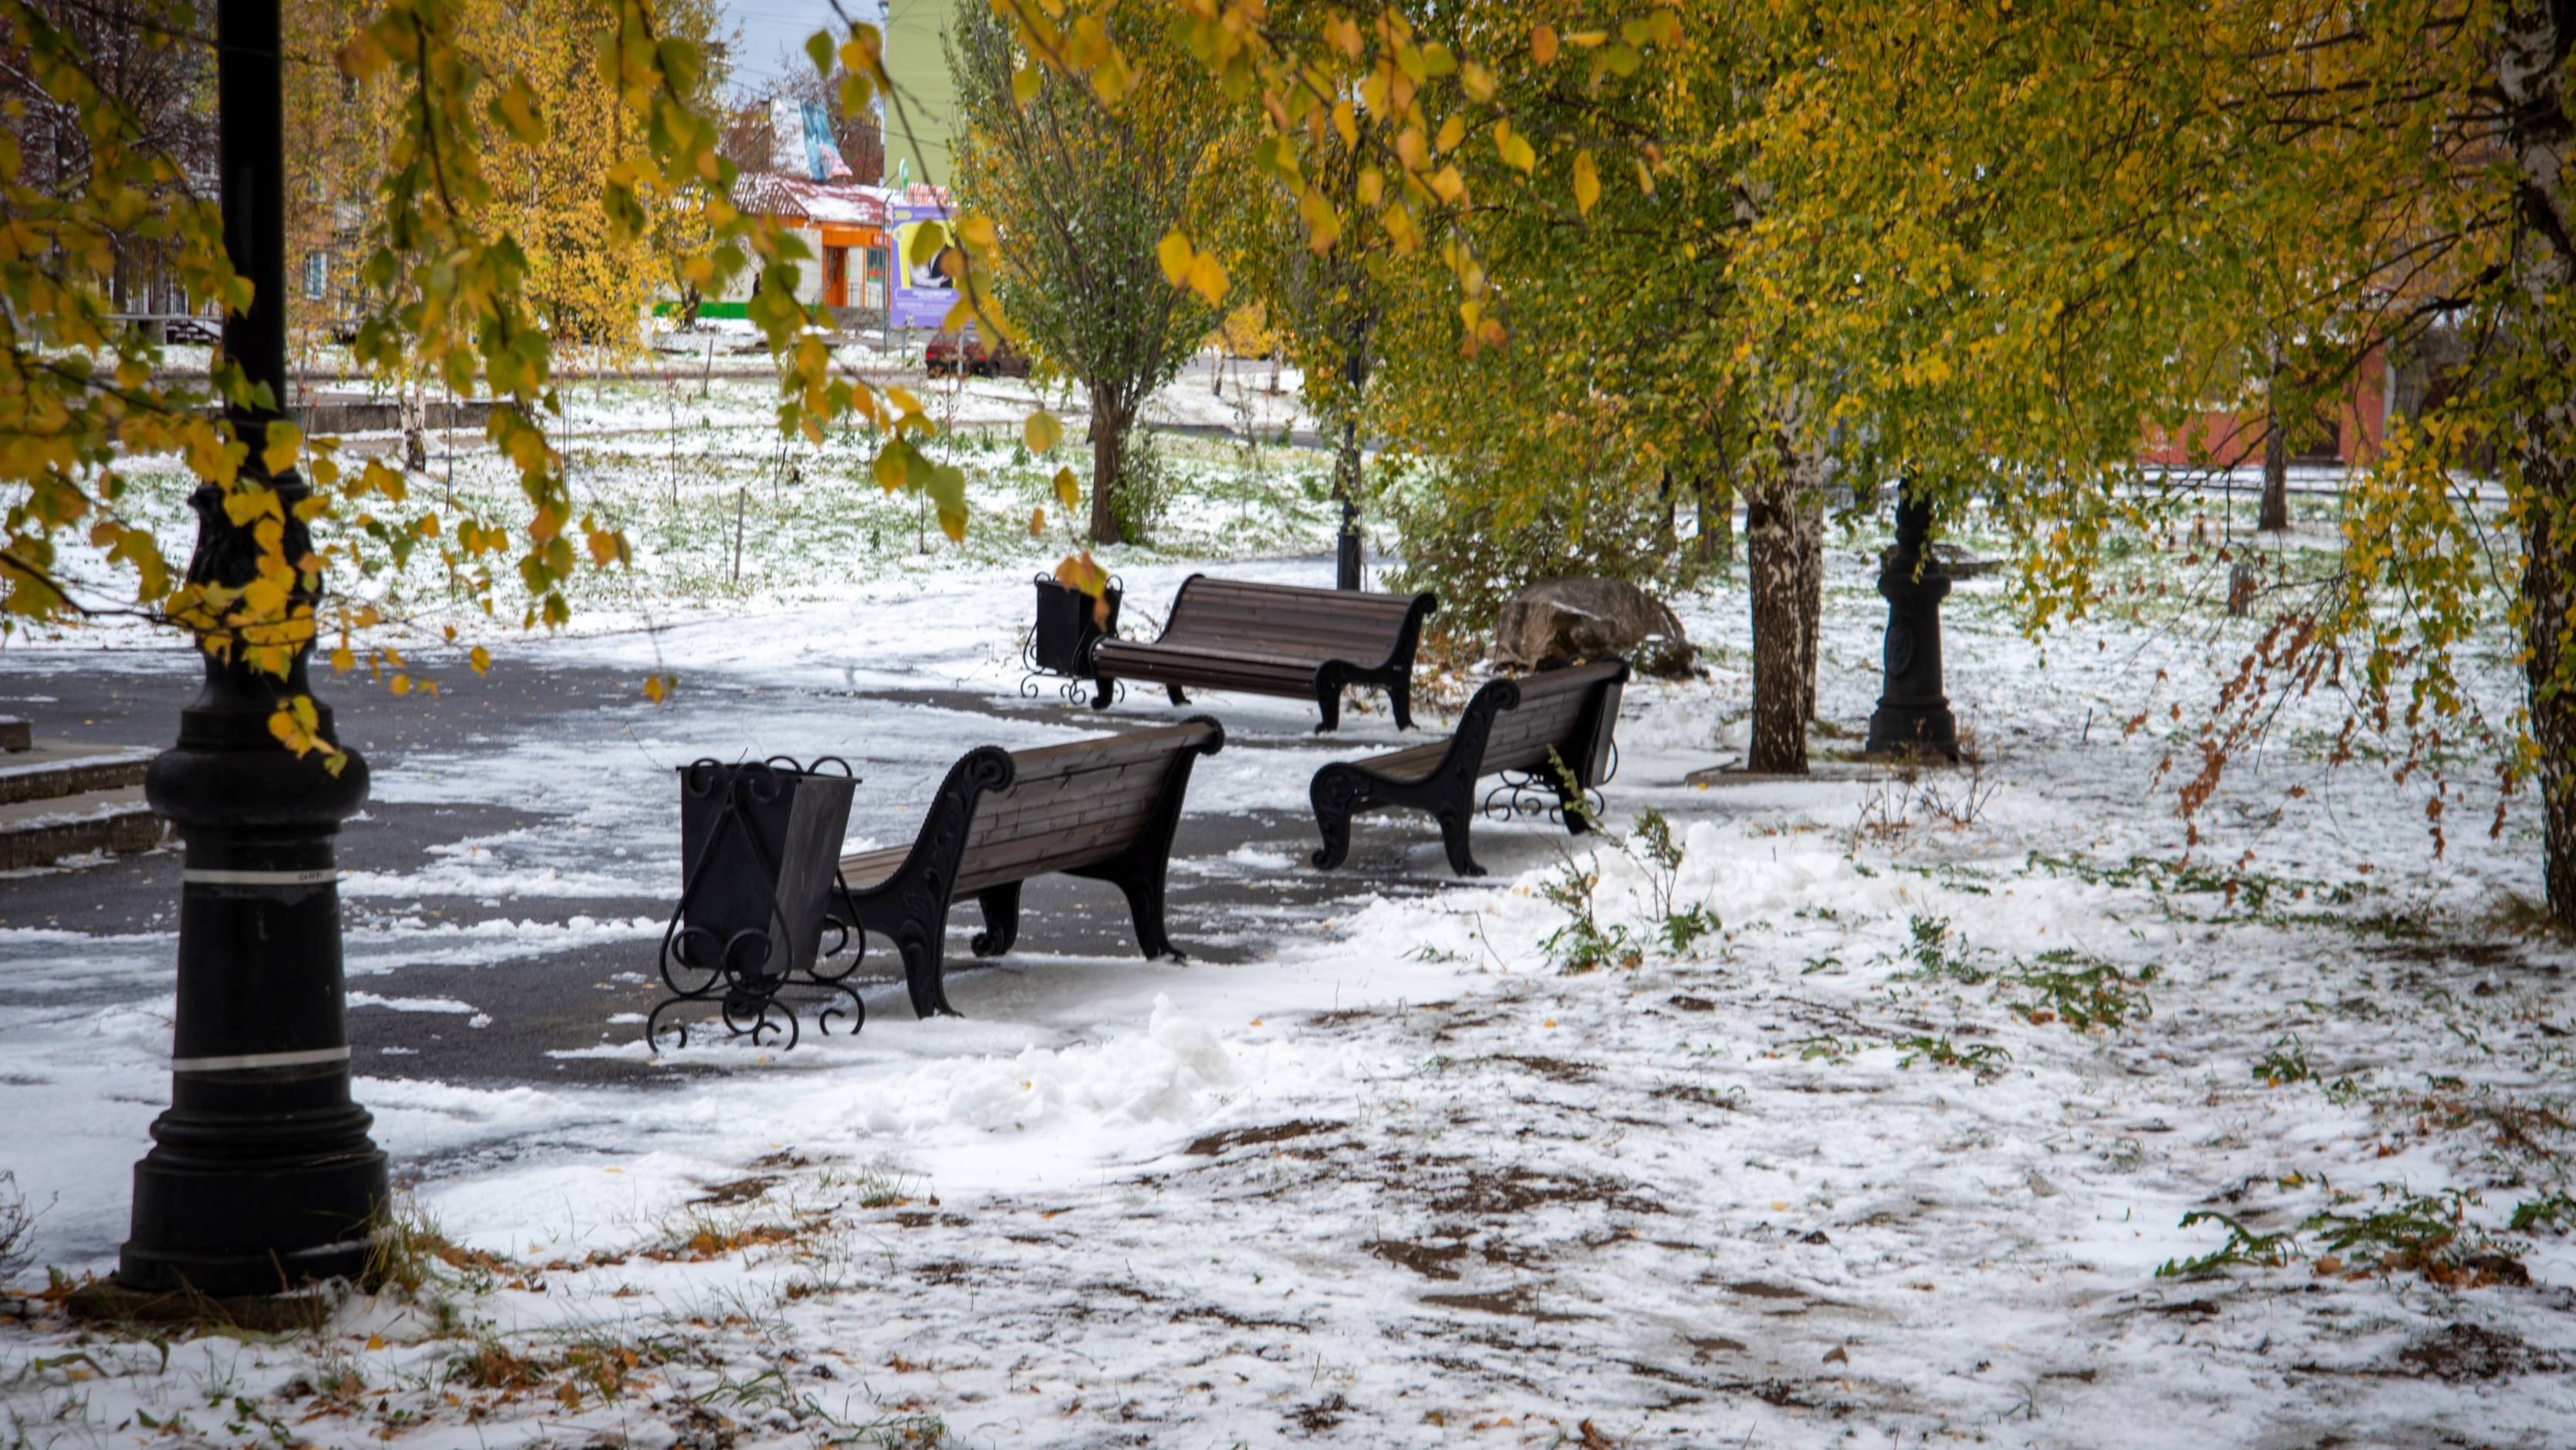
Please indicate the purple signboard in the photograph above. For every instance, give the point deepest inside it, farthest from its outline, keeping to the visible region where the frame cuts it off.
(922, 293)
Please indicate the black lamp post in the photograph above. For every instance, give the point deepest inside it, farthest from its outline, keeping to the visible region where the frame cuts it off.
(261, 1175)
(1346, 549)
(1346, 545)
(1913, 716)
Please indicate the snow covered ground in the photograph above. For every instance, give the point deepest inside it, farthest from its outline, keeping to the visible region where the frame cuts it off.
(1896, 1148)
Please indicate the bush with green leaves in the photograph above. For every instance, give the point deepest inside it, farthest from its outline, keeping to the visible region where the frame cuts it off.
(1147, 484)
(1476, 538)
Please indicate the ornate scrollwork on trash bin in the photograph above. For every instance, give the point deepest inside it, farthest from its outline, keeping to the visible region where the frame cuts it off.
(758, 921)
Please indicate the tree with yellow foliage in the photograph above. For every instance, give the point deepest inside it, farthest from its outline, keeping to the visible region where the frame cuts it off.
(1985, 249)
(2043, 235)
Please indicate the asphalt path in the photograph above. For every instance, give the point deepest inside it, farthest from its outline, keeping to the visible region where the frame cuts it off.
(528, 1008)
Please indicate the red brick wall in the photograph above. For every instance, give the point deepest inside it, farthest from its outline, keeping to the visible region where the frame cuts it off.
(2230, 438)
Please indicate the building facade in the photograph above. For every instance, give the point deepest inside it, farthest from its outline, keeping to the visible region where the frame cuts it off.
(921, 121)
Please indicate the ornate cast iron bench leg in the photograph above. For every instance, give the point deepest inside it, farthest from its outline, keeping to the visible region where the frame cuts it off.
(1338, 793)
(1573, 803)
(911, 907)
(1400, 696)
(1453, 817)
(1328, 698)
(1139, 871)
(1144, 895)
(1138, 874)
(922, 970)
(1175, 692)
(1001, 907)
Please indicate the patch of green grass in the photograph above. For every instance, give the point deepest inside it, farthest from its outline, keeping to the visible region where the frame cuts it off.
(1985, 1060)
(2287, 1062)
(2425, 1233)
(2248, 892)
(2083, 992)
(2553, 1212)
(1824, 1047)
(1939, 955)
(2243, 1246)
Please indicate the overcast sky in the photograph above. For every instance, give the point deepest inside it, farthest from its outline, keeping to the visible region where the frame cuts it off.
(768, 26)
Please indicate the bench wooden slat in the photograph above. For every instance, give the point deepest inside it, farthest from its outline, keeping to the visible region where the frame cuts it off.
(1074, 755)
(867, 868)
(1211, 676)
(1253, 616)
(1411, 763)
(1024, 859)
(1522, 736)
(1276, 639)
(1130, 803)
(1216, 655)
(1210, 588)
(1131, 810)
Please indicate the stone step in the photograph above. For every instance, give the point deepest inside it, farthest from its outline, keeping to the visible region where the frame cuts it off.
(53, 769)
(41, 832)
(15, 734)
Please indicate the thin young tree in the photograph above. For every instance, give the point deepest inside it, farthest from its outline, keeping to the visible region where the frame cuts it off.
(1083, 195)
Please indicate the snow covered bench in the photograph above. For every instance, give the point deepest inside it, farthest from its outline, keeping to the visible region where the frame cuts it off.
(1276, 639)
(1510, 728)
(1103, 808)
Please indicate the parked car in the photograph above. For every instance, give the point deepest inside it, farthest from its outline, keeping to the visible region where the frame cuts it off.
(950, 351)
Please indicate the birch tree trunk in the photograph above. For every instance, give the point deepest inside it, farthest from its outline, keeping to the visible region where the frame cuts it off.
(412, 402)
(2532, 72)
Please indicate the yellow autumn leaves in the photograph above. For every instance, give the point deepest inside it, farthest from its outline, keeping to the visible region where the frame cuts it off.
(1185, 266)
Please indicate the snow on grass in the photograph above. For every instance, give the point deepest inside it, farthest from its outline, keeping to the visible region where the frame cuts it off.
(1884, 1107)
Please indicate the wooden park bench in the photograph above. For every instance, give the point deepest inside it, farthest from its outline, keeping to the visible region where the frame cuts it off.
(1510, 728)
(1276, 639)
(1103, 808)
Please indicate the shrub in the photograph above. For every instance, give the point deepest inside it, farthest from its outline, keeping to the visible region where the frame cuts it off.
(17, 1227)
(1476, 539)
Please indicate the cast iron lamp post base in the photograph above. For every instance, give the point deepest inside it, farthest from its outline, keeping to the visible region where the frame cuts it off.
(261, 1176)
(1913, 716)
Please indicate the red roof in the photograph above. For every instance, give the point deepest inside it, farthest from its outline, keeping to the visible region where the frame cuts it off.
(793, 198)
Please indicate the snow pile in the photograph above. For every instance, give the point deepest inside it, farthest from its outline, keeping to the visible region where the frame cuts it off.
(1174, 1074)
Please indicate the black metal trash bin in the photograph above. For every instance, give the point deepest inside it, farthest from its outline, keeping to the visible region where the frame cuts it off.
(760, 847)
(1066, 628)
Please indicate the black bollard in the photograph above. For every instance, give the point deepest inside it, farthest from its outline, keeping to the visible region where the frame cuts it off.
(1913, 716)
(1346, 552)
(261, 1176)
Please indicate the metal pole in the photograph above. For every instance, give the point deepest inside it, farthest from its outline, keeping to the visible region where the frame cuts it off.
(262, 1176)
(1346, 550)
